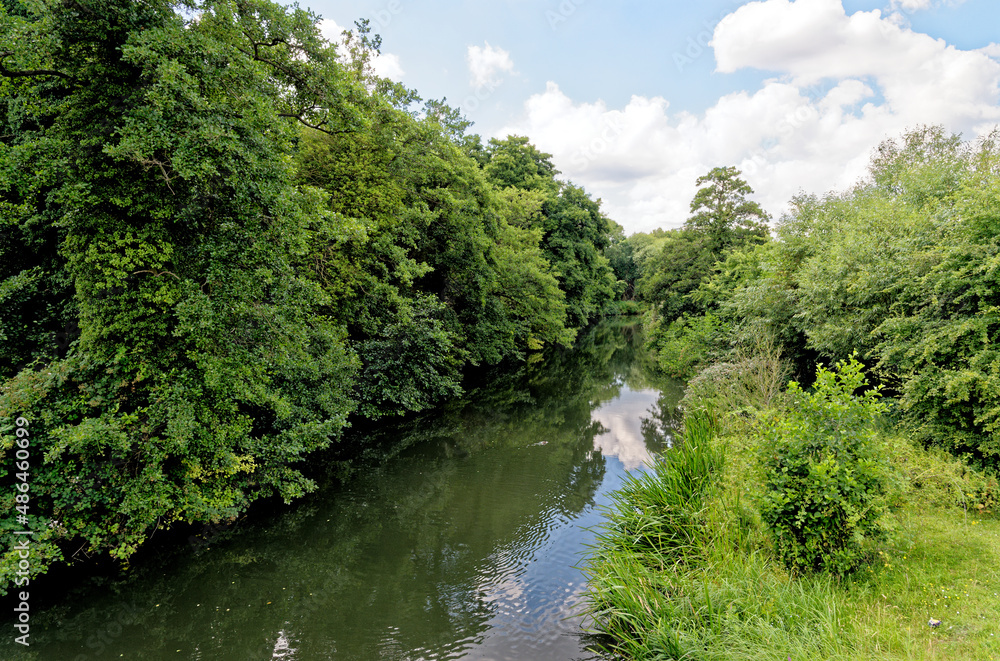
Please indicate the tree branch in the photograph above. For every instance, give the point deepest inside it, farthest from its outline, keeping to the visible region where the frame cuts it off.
(4, 71)
(318, 127)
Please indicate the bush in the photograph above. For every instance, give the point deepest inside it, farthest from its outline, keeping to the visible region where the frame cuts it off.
(686, 343)
(750, 382)
(825, 484)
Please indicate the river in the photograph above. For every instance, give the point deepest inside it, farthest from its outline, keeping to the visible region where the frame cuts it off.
(459, 539)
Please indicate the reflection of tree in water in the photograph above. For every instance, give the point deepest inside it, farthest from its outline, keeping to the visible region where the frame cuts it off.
(660, 428)
(400, 553)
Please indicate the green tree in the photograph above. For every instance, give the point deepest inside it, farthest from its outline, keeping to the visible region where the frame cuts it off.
(721, 211)
(439, 262)
(621, 258)
(670, 275)
(575, 232)
(722, 220)
(155, 172)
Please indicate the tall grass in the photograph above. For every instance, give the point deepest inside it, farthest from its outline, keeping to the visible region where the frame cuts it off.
(684, 569)
(655, 529)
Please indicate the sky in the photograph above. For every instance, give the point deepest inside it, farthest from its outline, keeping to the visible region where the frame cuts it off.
(636, 100)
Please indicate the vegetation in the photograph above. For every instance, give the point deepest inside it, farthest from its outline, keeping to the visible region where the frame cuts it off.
(901, 268)
(222, 236)
(740, 578)
(825, 476)
(842, 522)
(224, 239)
(676, 264)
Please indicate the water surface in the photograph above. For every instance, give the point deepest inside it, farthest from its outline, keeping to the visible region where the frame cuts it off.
(463, 544)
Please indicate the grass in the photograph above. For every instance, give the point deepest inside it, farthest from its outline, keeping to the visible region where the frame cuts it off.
(685, 570)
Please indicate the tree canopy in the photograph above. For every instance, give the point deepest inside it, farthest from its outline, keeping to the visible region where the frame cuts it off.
(222, 236)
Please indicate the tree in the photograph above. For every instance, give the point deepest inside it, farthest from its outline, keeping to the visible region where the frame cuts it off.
(621, 258)
(575, 232)
(721, 211)
(514, 161)
(683, 261)
(151, 166)
(722, 220)
(440, 269)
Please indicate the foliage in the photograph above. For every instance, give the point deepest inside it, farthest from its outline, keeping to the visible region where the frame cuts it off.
(721, 212)
(687, 343)
(825, 478)
(941, 340)
(574, 231)
(901, 268)
(204, 367)
(221, 235)
(677, 267)
(670, 275)
(622, 260)
(747, 385)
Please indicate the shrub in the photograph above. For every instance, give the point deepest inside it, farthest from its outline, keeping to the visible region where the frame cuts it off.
(825, 484)
(751, 381)
(686, 343)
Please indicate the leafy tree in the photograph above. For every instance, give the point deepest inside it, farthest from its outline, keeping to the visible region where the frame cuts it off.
(575, 232)
(722, 219)
(898, 268)
(939, 344)
(721, 211)
(514, 161)
(439, 260)
(621, 258)
(669, 276)
(158, 148)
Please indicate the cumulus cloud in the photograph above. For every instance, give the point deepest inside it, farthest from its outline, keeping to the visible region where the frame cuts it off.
(331, 30)
(486, 62)
(911, 5)
(843, 84)
(387, 65)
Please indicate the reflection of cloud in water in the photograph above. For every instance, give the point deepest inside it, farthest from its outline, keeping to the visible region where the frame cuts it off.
(622, 417)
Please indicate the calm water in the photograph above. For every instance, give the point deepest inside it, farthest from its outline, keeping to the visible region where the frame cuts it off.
(462, 545)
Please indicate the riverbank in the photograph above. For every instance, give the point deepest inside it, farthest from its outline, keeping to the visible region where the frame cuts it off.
(686, 568)
(458, 535)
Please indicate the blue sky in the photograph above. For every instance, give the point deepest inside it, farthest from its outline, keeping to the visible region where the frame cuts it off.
(637, 99)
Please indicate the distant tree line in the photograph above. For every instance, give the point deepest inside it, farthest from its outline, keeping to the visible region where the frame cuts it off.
(903, 268)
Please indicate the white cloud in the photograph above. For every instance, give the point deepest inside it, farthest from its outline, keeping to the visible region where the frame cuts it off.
(844, 84)
(911, 6)
(386, 65)
(331, 30)
(485, 63)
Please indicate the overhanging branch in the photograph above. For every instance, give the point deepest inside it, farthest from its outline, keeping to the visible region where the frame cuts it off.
(4, 71)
